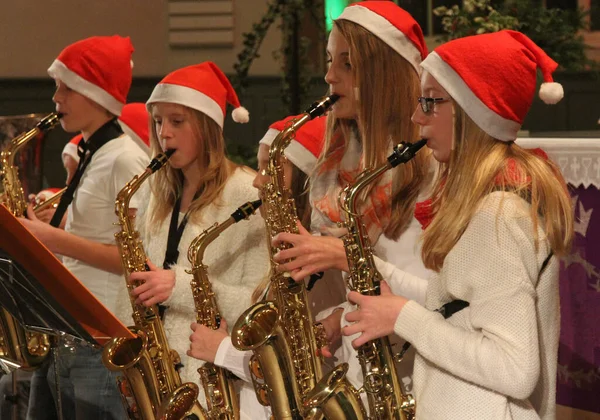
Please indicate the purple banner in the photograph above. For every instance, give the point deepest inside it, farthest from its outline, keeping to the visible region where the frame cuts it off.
(578, 382)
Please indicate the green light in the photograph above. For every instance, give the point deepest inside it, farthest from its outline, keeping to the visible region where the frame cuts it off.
(333, 8)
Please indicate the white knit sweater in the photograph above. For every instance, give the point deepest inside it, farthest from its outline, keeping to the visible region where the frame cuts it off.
(497, 358)
(237, 262)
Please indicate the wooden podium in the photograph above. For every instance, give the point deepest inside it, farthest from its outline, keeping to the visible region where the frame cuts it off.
(43, 295)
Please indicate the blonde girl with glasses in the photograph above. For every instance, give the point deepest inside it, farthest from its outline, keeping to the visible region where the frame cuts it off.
(499, 219)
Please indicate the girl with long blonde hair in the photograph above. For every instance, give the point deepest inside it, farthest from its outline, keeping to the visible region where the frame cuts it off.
(373, 52)
(499, 218)
(199, 187)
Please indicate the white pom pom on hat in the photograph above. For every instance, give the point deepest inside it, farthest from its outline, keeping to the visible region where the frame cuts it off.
(240, 115)
(551, 92)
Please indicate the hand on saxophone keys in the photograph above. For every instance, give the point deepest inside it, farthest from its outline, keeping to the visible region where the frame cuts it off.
(375, 316)
(156, 285)
(333, 331)
(309, 254)
(204, 341)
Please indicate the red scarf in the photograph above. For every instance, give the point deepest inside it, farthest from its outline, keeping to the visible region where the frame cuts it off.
(423, 210)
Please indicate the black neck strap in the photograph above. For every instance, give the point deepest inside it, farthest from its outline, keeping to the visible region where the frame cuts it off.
(109, 131)
(175, 233)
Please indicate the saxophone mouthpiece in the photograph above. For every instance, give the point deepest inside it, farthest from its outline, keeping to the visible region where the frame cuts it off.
(403, 152)
(246, 210)
(160, 160)
(322, 106)
(49, 121)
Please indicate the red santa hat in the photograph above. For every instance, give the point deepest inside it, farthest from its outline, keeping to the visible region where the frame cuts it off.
(493, 78)
(135, 123)
(98, 68)
(203, 87)
(307, 144)
(393, 25)
(70, 148)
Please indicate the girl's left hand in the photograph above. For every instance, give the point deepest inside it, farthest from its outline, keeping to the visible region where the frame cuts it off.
(375, 316)
(205, 342)
(157, 285)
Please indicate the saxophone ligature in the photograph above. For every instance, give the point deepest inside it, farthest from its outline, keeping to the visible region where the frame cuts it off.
(147, 362)
(218, 383)
(385, 396)
(281, 333)
(26, 348)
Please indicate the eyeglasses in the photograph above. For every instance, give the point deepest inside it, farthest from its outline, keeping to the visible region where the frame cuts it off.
(428, 103)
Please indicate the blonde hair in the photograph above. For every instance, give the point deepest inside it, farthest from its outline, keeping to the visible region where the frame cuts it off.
(384, 113)
(167, 184)
(477, 167)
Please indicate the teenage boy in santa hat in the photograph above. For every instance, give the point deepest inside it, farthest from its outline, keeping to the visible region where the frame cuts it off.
(93, 77)
(134, 123)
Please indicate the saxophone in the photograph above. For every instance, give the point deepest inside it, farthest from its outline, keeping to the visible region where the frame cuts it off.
(147, 363)
(285, 364)
(381, 383)
(218, 383)
(28, 349)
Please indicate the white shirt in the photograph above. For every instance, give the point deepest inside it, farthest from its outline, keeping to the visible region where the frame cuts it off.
(91, 215)
(237, 362)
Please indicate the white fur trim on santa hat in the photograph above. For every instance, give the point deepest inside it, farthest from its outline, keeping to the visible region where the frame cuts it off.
(384, 30)
(551, 92)
(137, 139)
(58, 70)
(192, 98)
(295, 152)
(240, 115)
(495, 125)
(70, 150)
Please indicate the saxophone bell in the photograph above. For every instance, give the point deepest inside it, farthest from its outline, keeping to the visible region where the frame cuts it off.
(259, 330)
(335, 397)
(182, 404)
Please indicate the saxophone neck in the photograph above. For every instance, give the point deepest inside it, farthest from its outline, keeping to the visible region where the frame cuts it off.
(199, 244)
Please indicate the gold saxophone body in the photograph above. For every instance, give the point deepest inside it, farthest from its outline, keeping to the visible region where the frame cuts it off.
(28, 349)
(281, 333)
(150, 378)
(218, 383)
(386, 398)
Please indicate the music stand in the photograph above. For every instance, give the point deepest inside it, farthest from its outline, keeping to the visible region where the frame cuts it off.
(43, 295)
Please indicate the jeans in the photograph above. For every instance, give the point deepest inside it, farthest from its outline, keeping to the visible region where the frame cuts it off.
(88, 389)
(41, 403)
(6, 406)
